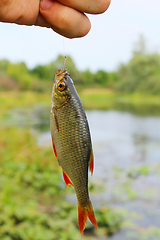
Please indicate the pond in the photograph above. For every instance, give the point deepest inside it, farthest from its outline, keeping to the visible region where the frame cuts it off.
(127, 164)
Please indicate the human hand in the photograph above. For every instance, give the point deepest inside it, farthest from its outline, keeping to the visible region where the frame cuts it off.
(66, 17)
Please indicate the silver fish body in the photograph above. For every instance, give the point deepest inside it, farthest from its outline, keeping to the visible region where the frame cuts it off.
(72, 141)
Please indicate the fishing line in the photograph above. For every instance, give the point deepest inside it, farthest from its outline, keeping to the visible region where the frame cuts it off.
(64, 53)
(64, 62)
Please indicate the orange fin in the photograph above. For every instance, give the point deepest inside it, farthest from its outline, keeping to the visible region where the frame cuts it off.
(91, 162)
(83, 214)
(66, 179)
(54, 148)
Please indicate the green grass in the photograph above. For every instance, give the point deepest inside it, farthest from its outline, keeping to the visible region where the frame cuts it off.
(137, 104)
(101, 99)
(11, 100)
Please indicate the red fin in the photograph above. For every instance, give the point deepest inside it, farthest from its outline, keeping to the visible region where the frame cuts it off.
(66, 179)
(83, 214)
(91, 163)
(54, 148)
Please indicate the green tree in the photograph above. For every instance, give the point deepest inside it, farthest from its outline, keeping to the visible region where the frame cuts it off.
(44, 72)
(141, 74)
(88, 78)
(4, 65)
(140, 47)
(47, 72)
(19, 72)
(101, 77)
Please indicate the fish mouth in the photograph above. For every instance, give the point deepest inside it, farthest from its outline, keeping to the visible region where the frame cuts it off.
(60, 74)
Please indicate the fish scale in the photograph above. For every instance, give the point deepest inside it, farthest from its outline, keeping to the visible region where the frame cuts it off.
(72, 142)
(67, 148)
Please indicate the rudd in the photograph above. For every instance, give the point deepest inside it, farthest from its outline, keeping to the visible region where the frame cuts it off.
(72, 142)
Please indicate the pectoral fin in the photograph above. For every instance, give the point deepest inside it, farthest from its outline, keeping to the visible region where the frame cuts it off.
(54, 148)
(67, 179)
(54, 110)
(91, 162)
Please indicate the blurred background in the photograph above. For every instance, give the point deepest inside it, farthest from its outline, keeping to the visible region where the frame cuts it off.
(116, 70)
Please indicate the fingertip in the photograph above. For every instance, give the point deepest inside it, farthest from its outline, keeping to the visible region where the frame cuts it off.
(46, 4)
(105, 5)
(86, 27)
(71, 33)
(102, 6)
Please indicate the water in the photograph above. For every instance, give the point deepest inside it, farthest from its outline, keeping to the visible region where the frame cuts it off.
(127, 164)
(124, 141)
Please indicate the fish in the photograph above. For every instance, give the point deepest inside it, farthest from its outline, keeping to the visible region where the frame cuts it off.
(71, 142)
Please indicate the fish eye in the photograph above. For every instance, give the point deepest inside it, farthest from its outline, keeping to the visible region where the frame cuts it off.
(61, 86)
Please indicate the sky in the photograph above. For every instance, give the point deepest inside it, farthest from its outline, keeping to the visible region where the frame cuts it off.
(109, 43)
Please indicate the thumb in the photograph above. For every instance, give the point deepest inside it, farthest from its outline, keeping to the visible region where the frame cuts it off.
(65, 20)
(45, 4)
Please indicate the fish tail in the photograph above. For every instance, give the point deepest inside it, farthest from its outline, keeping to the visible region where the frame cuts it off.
(85, 212)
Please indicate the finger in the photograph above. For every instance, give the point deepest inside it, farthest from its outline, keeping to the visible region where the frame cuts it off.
(65, 20)
(18, 11)
(42, 22)
(87, 6)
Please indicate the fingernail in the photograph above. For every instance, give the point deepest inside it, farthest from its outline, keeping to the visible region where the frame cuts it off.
(45, 4)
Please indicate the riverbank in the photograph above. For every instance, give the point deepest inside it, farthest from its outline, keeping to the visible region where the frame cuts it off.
(100, 99)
